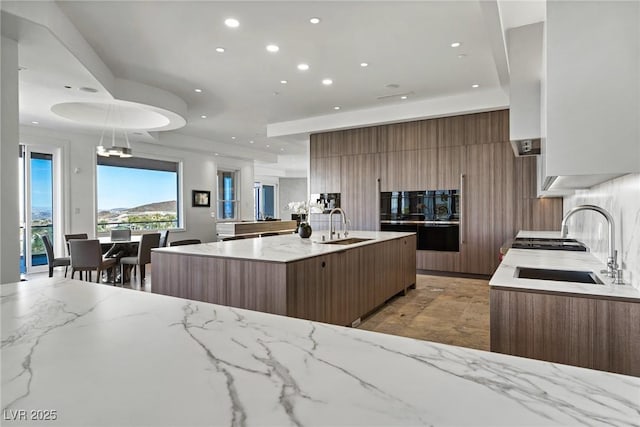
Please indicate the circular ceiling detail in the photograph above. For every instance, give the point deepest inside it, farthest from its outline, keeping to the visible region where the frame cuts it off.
(120, 115)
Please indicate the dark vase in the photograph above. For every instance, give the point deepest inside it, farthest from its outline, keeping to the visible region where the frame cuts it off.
(304, 230)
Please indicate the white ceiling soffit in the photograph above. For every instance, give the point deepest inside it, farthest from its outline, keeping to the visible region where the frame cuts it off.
(516, 13)
(466, 103)
(56, 82)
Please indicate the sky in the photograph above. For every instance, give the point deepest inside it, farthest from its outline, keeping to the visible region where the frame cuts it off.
(41, 184)
(128, 188)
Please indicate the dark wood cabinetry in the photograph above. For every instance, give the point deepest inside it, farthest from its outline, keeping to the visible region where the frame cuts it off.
(572, 329)
(498, 190)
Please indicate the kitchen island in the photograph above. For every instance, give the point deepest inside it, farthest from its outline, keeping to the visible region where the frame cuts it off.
(95, 355)
(327, 281)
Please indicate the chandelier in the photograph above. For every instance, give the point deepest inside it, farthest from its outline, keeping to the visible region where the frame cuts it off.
(114, 150)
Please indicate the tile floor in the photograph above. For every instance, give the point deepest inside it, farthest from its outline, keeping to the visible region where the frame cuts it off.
(449, 310)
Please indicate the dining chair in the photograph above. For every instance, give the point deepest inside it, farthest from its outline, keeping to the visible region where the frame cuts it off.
(51, 259)
(147, 242)
(86, 255)
(164, 238)
(185, 242)
(121, 234)
(81, 236)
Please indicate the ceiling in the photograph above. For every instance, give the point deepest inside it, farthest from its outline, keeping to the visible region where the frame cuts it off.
(170, 45)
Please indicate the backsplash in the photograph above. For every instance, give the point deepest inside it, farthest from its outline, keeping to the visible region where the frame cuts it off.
(621, 197)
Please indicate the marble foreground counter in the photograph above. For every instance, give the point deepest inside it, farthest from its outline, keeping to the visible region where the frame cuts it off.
(99, 355)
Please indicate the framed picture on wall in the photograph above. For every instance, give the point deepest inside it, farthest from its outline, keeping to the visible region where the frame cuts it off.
(201, 199)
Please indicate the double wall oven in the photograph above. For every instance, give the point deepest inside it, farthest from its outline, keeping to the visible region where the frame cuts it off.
(433, 215)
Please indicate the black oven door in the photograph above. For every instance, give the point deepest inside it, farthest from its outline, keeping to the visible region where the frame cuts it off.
(439, 237)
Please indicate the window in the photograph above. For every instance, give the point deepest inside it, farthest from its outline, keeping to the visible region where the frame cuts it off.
(137, 193)
(227, 201)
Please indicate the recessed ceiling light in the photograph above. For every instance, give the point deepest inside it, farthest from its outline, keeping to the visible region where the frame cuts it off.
(203, 116)
(314, 20)
(232, 22)
(216, 154)
(282, 149)
(455, 44)
(220, 49)
(327, 82)
(198, 90)
(364, 64)
(462, 55)
(284, 82)
(303, 67)
(233, 137)
(404, 97)
(475, 85)
(268, 146)
(336, 108)
(251, 142)
(36, 123)
(272, 48)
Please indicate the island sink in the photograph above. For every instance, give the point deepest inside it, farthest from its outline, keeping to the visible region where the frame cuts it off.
(558, 275)
(349, 241)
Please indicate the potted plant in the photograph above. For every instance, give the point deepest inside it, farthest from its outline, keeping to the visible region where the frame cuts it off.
(303, 209)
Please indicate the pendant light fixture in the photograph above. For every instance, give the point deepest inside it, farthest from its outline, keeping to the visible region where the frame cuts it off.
(114, 150)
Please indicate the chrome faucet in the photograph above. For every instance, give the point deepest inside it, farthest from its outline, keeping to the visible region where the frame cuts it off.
(612, 260)
(344, 223)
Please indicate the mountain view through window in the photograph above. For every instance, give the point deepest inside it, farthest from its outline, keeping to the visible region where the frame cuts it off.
(139, 198)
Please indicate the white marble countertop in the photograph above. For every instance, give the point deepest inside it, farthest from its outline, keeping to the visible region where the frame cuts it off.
(105, 356)
(505, 275)
(285, 248)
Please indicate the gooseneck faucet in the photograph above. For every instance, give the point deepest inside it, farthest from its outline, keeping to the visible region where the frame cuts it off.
(332, 230)
(612, 263)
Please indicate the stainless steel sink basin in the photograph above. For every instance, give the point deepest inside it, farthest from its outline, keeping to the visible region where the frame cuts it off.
(348, 241)
(558, 275)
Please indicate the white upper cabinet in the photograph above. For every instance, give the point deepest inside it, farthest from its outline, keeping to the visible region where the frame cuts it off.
(590, 117)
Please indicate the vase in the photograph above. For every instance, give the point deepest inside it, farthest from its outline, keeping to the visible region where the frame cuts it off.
(304, 230)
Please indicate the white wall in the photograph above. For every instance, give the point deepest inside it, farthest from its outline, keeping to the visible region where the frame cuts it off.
(199, 170)
(291, 190)
(621, 198)
(9, 210)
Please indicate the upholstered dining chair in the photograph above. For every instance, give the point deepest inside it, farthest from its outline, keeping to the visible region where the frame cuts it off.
(52, 260)
(86, 255)
(79, 236)
(147, 242)
(164, 238)
(185, 242)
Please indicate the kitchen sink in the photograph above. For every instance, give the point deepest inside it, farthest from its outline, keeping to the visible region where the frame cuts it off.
(348, 241)
(558, 275)
(549, 244)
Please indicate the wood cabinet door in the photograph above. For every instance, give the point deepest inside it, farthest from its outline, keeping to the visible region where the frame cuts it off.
(324, 175)
(399, 171)
(489, 199)
(306, 293)
(359, 198)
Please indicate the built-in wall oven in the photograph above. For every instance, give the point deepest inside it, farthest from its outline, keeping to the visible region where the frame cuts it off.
(433, 215)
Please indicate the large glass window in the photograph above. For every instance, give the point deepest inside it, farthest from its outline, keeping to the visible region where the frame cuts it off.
(36, 206)
(227, 201)
(137, 193)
